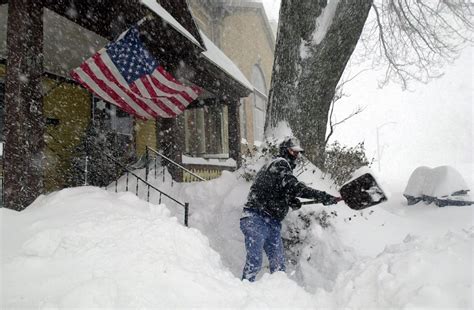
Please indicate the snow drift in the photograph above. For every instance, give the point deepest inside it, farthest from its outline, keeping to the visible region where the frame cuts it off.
(85, 247)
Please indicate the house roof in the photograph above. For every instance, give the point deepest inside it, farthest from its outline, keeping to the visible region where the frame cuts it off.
(210, 51)
(168, 18)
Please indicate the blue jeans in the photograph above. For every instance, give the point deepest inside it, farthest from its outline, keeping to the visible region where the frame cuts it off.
(262, 233)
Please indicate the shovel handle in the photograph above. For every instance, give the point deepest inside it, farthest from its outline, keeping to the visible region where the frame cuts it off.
(309, 202)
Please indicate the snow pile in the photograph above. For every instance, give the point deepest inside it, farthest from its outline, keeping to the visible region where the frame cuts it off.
(316, 252)
(442, 185)
(86, 248)
(420, 272)
(416, 182)
(443, 181)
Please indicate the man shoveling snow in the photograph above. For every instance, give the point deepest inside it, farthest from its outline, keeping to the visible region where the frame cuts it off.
(273, 192)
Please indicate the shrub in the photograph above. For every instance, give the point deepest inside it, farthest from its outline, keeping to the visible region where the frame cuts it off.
(341, 161)
(253, 160)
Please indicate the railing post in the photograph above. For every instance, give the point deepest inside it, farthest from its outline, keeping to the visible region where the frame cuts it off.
(147, 168)
(186, 213)
(86, 171)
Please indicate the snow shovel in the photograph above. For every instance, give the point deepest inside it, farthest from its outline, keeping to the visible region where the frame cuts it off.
(360, 193)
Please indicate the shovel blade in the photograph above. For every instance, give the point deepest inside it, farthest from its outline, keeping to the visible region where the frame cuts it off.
(362, 192)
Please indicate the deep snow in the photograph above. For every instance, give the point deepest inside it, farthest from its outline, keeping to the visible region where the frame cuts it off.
(90, 248)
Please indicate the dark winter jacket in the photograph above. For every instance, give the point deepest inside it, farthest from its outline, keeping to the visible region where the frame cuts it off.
(275, 186)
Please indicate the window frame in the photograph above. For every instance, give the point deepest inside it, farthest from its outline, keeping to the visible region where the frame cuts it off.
(259, 103)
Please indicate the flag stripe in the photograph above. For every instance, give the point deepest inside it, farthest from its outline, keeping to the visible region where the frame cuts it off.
(160, 81)
(126, 74)
(183, 98)
(177, 101)
(116, 98)
(106, 67)
(127, 92)
(152, 104)
(79, 75)
(139, 87)
(163, 91)
(190, 91)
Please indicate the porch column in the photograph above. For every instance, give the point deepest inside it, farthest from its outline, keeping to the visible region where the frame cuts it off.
(24, 124)
(170, 140)
(234, 132)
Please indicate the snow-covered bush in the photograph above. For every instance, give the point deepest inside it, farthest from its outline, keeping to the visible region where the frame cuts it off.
(253, 161)
(341, 161)
(314, 252)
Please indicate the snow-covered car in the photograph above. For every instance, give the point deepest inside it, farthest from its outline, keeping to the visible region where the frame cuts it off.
(442, 185)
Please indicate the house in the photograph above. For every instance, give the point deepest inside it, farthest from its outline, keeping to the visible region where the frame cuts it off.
(47, 115)
(240, 28)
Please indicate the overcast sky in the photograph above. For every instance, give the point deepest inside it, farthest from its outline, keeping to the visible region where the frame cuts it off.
(430, 125)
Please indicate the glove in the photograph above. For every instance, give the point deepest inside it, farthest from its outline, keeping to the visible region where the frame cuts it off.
(295, 203)
(332, 200)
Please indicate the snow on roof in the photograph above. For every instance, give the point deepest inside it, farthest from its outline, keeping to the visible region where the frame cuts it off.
(160, 11)
(212, 53)
(215, 55)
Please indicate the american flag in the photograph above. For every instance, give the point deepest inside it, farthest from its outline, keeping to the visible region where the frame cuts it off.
(127, 75)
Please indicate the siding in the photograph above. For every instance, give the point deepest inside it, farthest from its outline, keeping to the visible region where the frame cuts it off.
(245, 41)
(145, 135)
(71, 105)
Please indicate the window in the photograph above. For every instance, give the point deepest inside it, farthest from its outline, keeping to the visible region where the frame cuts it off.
(195, 138)
(113, 117)
(2, 111)
(2, 108)
(243, 120)
(206, 131)
(259, 103)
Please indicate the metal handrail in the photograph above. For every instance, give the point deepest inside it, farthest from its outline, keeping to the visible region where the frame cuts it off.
(185, 204)
(128, 171)
(172, 162)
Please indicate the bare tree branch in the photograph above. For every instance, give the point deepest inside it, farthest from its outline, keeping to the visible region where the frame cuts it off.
(333, 125)
(417, 38)
(337, 96)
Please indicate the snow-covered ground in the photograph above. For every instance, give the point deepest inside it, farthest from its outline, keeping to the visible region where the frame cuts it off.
(86, 247)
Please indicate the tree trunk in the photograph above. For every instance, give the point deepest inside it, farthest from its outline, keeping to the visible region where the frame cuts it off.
(24, 124)
(309, 62)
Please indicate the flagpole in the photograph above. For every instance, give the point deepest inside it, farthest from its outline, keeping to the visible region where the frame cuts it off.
(139, 23)
(144, 19)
